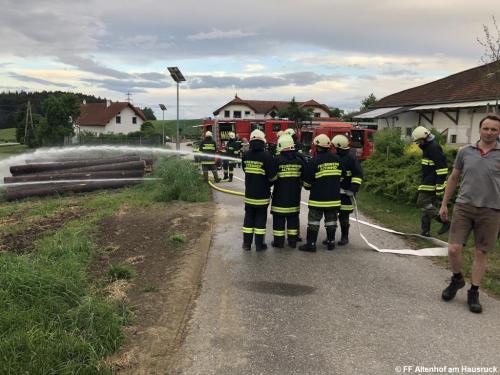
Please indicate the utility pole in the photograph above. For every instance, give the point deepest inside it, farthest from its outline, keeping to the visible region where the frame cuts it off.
(129, 97)
(29, 119)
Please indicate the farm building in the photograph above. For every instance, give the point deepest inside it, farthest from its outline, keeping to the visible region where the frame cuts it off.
(453, 105)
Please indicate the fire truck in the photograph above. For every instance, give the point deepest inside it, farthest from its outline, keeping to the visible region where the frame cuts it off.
(361, 139)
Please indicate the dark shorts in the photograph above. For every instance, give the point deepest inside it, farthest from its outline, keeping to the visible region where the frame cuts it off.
(485, 222)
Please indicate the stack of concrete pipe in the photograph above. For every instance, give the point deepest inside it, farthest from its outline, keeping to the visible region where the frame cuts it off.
(40, 178)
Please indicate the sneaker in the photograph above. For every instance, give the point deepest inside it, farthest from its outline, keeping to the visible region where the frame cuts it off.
(450, 292)
(473, 301)
(444, 228)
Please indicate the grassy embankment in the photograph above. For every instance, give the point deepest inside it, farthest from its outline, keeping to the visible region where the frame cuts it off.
(54, 318)
(185, 128)
(405, 218)
(7, 135)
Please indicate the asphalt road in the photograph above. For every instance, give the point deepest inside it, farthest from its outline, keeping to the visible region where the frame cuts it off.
(350, 311)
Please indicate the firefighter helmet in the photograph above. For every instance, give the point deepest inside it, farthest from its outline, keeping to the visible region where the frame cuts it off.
(208, 133)
(280, 133)
(322, 140)
(285, 143)
(340, 141)
(257, 135)
(232, 135)
(290, 132)
(420, 133)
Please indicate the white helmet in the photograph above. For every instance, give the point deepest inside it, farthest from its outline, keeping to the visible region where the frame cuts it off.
(420, 133)
(340, 141)
(208, 133)
(280, 133)
(257, 135)
(322, 140)
(290, 132)
(285, 143)
(232, 135)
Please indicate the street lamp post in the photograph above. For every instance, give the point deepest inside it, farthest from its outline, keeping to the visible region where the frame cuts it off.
(177, 77)
(163, 109)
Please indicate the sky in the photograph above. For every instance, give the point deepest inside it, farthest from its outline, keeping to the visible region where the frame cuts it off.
(334, 51)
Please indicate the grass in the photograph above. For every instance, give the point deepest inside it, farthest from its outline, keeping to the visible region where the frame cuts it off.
(6, 151)
(406, 219)
(8, 135)
(54, 318)
(121, 271)
(177, 238)
(185, 127)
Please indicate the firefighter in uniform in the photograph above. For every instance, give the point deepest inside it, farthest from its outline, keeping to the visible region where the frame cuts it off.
(260, 173)
(322, 178)
(352, 176)
(285, 205)
(434, 173)
(278, 135)
(208, 146)
(232, 150)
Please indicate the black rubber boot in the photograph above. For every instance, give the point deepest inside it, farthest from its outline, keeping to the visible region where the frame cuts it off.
(473, 301)
(259, 243)
(344, 239)
(330, 238)
(225, 176)
(445, 227)
(230, 177)
(451, 290)
(310, 245)
(278, 242)
(292, 241)
(425, 225)
(247, 241)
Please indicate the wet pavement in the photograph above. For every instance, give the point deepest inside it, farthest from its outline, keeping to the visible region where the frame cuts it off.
(347, 311)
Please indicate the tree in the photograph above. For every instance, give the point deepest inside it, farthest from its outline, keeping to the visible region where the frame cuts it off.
(368, 101)
(60, 114)
(296, 113)
(336, 112)
(491, 45)
(148, 113)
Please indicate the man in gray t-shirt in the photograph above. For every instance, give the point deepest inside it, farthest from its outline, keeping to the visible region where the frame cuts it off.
(477, 208)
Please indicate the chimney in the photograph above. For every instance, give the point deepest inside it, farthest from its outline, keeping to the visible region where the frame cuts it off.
(84, 102)
(108, 103)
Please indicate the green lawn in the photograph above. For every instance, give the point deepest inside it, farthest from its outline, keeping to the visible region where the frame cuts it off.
(8, 135)
(406, 219)
(185, 127)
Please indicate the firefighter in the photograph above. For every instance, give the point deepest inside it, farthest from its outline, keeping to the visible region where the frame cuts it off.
(285, 205)
(298, 146)
(350, 181)
(232, 150)
(433, 183)
(260, 173)
(208, 146)
(322, 178)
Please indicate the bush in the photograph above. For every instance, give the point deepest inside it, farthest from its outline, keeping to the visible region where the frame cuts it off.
(389, 142)
(179, 180)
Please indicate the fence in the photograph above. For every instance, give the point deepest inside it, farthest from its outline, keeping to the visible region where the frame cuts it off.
(154, 140)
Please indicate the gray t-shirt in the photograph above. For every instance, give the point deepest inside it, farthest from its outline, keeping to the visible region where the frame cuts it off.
(480, 186)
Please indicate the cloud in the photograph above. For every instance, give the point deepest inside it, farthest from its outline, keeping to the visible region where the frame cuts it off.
(24, 78)
(123, 86)
(89, 65)
(219, 34)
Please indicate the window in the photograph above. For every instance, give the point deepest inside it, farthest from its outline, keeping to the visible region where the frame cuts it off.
(408, 132)
(134, 120)
(226, 114)
(118, 119)
(317, 115)
(453, 138)
(276, 127)
(237, 114)
(256, 125)
(247, 113)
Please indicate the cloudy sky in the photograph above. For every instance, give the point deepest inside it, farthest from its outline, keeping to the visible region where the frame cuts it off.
(334, 51)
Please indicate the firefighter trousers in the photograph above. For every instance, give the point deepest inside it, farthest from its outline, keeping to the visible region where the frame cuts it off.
(288, 222)
(210, 167)
(254, 223)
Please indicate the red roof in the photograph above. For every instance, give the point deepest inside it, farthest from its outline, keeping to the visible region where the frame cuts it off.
(266, 106)
(479, 83)
(98, 114)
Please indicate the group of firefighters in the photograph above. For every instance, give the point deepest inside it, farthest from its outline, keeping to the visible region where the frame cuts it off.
(332, 178)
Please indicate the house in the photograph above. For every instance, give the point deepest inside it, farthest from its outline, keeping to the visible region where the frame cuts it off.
(109, 117)
(453, 105)
(266, 109)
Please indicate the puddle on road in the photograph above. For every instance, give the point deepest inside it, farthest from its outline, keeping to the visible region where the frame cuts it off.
(280, 289)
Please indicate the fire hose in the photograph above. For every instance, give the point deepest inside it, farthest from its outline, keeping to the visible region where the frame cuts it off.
(442, 250)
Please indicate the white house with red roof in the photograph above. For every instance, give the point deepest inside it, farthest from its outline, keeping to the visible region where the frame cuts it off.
(266, 109)
(109, 117)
